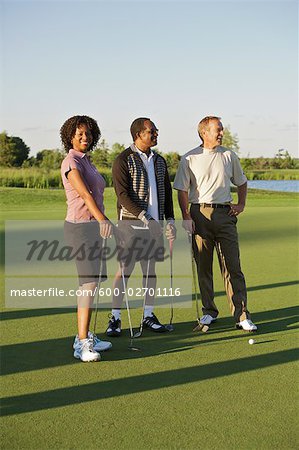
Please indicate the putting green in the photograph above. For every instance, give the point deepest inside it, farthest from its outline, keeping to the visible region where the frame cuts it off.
(183, 390)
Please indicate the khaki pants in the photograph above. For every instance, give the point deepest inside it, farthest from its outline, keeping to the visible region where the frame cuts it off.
(214, 228)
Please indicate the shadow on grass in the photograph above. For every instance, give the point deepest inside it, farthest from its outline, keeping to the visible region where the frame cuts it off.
(26, 313)
(141, 383)
(17, 358)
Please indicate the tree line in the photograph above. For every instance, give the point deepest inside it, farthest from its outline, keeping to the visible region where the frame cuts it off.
(15, 153)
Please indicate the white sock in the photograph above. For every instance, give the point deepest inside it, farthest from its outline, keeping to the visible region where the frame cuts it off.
(116, 313)
(148, 311)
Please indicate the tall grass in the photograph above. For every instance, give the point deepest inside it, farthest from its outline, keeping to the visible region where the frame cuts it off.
(30, 178)
(43, 179)
(278, 174)
(38, 178)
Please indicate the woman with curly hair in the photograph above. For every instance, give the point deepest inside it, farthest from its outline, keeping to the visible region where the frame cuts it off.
(85, 225)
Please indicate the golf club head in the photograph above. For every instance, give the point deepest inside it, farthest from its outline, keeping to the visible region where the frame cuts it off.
(137, 334)
(201, 327)
(169, 327)
(134, 349)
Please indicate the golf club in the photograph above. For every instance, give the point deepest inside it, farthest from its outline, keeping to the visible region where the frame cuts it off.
(131, 346)
(99, 285)
(139, 333)
(199, 326)
(170, 327)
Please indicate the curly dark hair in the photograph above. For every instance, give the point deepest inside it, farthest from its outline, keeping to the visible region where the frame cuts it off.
(68, 131)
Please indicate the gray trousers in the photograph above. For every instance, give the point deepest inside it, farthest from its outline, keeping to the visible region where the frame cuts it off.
(214, 228)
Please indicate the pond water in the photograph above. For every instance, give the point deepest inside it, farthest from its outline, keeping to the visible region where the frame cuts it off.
(275, 185)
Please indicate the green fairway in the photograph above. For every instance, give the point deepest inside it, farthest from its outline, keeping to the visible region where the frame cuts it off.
(183, 390)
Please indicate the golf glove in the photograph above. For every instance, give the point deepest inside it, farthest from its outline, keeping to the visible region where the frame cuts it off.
(170, 231)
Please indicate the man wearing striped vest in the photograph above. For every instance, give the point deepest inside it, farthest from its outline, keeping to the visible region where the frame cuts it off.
(144, 201)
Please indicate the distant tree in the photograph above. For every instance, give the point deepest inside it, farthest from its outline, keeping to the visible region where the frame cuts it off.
(13, 150)
(283, 160)
(247, 163)
(261, 163)
(230, 140)
(49, 159)
(115, 151)
(172, 160)
(103, 156)
(100, 155)
(282, 153)
(6, 150)
(30, 162)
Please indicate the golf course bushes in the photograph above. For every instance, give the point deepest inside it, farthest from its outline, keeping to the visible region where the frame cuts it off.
(30, 178)
(279, 174)
(38, 178)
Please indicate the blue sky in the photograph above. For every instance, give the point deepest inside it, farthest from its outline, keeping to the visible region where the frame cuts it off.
(174, 62)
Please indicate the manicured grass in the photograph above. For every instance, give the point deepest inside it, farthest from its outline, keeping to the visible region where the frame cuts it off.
(38, 202)
(183, 390)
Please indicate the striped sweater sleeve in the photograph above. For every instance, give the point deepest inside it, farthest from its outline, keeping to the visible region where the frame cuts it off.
(121, 183)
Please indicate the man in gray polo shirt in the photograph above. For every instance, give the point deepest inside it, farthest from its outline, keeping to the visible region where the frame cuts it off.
(203, 180)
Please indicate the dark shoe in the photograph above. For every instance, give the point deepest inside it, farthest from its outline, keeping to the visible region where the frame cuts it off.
(114, 327)
(153, 324)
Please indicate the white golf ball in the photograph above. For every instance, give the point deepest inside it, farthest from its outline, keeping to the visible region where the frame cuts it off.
(251, 341)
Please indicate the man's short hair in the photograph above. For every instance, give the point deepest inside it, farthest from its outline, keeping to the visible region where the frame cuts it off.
(138, 126)
(204, 123)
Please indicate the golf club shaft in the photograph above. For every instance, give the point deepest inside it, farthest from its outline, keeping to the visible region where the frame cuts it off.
(194, 275)
(171, 280)
(144, 298)
(126, 300)
(99, 285)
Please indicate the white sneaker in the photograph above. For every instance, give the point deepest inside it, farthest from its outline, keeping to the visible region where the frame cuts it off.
(84, 351)
(246, 325)
(98, 345)
(207, 319)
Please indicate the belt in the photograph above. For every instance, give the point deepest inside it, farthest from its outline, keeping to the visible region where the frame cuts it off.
(214, 205)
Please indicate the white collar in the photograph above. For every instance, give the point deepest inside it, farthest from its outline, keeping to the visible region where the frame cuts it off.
(141, 153)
